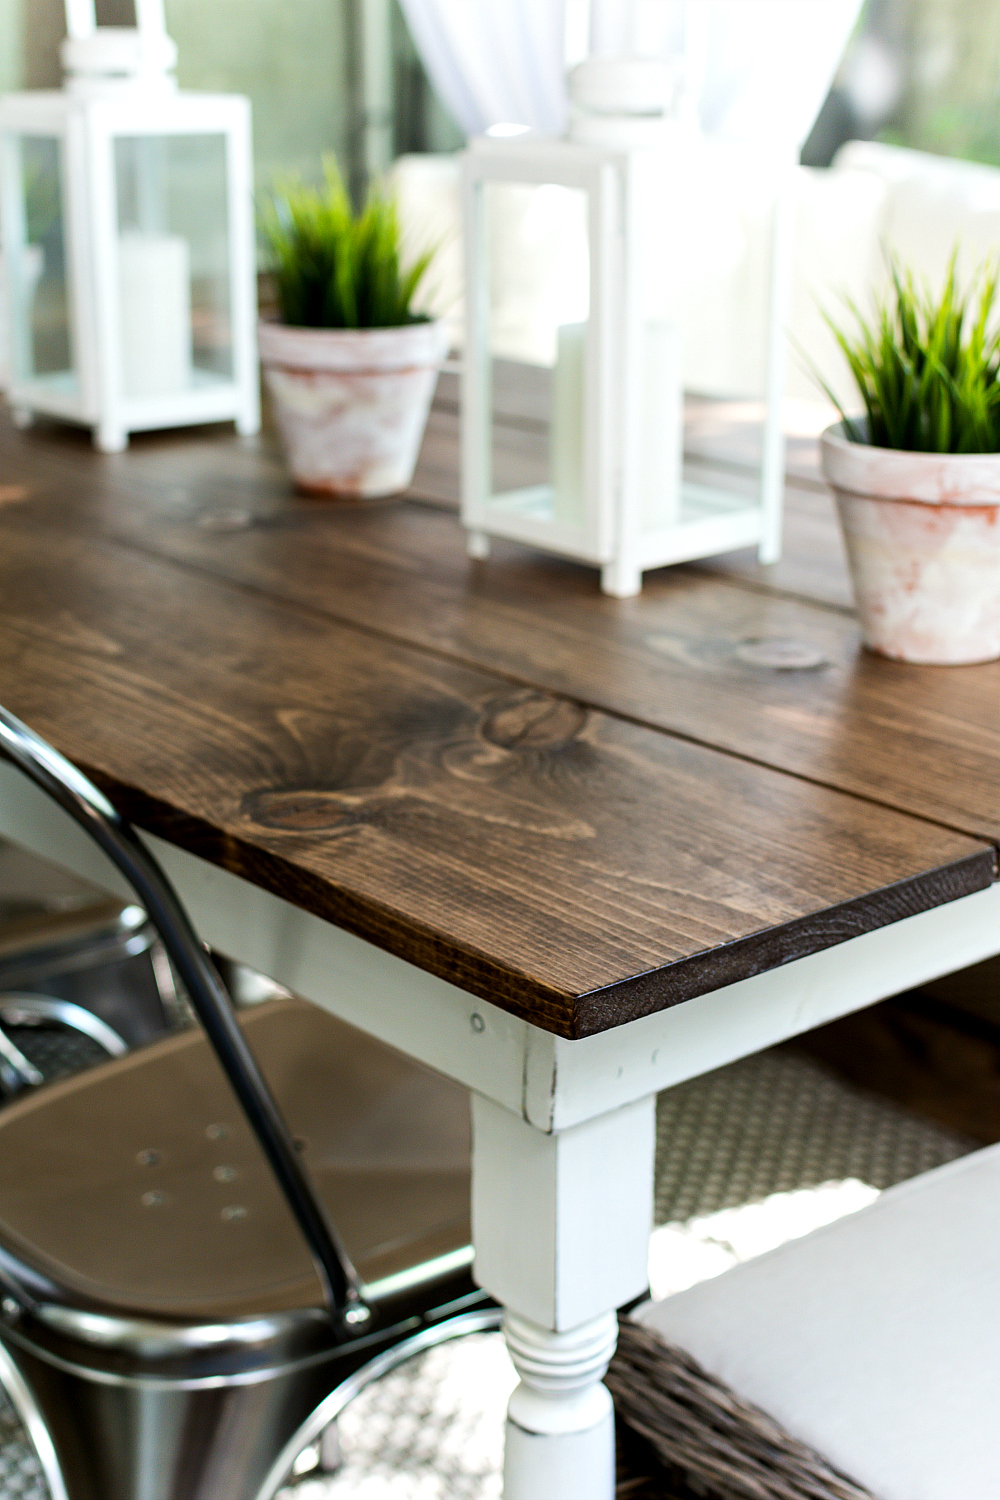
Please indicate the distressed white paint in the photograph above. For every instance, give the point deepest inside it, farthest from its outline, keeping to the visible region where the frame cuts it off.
(564, 1466)
(922, 535)
(561, 1222)
(351, 403)
(560, 1226)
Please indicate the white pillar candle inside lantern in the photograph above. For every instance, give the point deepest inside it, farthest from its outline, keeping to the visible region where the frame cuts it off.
(154, 273)
(625, 204)
(138, 197)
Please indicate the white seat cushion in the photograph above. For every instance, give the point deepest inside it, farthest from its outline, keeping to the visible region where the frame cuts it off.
(875, 1339)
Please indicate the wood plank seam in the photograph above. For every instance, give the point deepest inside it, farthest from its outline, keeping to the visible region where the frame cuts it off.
(518, 680)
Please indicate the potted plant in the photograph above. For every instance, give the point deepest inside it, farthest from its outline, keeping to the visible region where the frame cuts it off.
(917, 479)
(351, 368)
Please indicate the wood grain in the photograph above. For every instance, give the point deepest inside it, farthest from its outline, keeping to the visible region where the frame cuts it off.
(210, 468)
(778, 680)
(528, 848)
(467, 762)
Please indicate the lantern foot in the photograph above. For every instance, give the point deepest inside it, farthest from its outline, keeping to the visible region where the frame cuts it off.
(109, 437)
(621, 579)
(248, 425)
(477, 543)
(22, 416)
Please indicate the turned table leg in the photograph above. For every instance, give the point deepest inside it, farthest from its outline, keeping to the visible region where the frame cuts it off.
(561, 1227)
(560, 1437)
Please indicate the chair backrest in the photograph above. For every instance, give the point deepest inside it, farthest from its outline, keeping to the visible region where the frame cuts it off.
(67, 786)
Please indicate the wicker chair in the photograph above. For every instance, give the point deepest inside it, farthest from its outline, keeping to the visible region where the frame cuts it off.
(872, 1342)
(178, 1316)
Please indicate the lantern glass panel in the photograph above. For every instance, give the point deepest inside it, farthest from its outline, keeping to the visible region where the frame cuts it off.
(40, 345)
(538, 298)
(173, 254)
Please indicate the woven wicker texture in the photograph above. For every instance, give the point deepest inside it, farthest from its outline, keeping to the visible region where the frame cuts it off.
(717, 1444)
(778, 1121)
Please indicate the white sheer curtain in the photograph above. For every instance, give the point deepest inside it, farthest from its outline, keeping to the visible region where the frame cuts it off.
(494, 60)
(760, 69)
(769, 64)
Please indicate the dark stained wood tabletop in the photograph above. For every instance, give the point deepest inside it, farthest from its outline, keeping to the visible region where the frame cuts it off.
(583, 809)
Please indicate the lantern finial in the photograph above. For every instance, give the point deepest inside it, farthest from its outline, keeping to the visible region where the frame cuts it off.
(100, 59)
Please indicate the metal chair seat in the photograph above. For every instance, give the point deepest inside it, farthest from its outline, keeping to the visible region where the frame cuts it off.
(82, 976)
(138, 1186)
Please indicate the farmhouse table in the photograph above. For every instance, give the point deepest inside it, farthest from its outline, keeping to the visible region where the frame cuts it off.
(567, 849)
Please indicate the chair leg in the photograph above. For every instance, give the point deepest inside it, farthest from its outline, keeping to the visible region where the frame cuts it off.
(330, 1456)
(142, 1441)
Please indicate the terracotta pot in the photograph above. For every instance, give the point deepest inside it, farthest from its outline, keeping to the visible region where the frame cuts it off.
(351, 403)
(922, 532)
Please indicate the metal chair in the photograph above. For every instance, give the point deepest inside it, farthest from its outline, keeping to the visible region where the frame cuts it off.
(178, 1315)
(83, 975)
(71, 1037)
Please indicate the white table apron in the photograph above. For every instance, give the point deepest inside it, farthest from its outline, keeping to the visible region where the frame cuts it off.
(563, 1132)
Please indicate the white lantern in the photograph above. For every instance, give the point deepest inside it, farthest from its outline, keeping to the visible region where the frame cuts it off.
(578, 252)
(126, 217)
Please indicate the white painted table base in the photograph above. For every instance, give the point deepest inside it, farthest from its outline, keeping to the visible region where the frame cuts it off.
(563, 1132)
(561, 1224)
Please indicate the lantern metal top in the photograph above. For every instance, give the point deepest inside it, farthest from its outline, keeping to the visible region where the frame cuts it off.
(622, 102)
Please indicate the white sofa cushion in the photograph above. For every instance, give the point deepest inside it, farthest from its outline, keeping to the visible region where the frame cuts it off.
(933, 203)
(875, 1339)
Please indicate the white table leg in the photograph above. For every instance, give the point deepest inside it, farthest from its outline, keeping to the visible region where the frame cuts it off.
(560, 1439)
(561, 1228)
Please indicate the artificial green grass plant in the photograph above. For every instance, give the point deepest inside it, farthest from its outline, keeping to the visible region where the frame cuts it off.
(334, 268)
(928, 369)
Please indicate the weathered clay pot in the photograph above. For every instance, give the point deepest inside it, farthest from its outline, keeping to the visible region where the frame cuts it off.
(922, 532)
(351, 403)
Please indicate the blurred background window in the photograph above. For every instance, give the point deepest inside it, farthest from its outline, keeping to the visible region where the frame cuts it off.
(322, 75)
(920, 73)
(344, 76)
